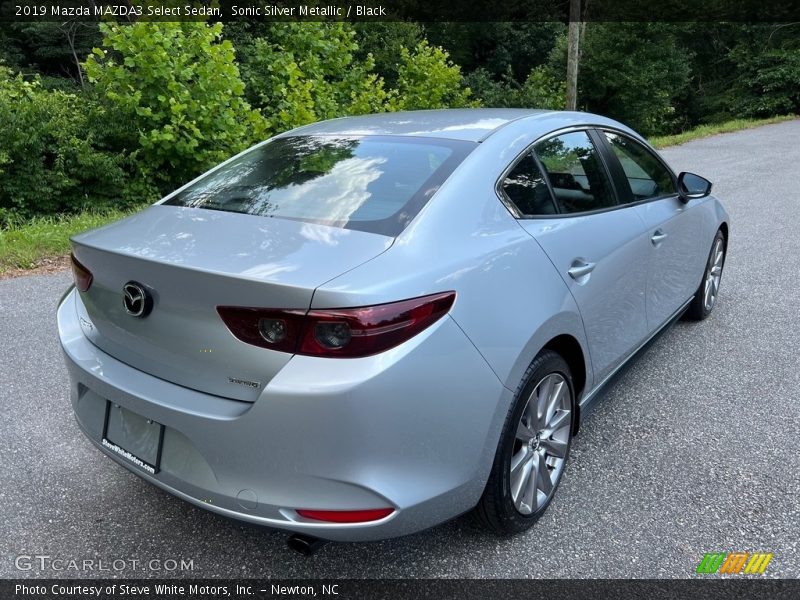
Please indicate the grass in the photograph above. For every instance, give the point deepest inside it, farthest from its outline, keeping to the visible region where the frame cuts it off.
(28, 244)
(41, 240)
(706, 130)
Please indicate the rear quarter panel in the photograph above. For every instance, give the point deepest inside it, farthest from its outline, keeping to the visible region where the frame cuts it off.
(510, 302)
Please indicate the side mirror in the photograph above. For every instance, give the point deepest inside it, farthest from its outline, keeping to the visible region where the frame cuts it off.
(692, 186)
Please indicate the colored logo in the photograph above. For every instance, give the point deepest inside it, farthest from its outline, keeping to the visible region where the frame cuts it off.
(734, 563)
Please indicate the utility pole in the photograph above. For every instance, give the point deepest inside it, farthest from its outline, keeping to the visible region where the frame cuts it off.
(573, 52)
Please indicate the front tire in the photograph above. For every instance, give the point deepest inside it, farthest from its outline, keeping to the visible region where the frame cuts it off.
(705, 298)
(533, 449)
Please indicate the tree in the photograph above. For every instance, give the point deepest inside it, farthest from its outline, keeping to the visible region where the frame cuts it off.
(298, 73)
(428, 79)
(573, 53)
(304, 72)
(541, 89)
(383, 42)
(634, 72)
(52, 158)
(768, 65)
(51, 49)
(175, 93)
(500, 49)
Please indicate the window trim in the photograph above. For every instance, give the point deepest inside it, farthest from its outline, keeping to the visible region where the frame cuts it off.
(588, 129)
(621, 171)
(505, 199)
(602, 150)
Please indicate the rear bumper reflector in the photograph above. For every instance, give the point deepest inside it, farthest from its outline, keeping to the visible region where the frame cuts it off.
(346, 516)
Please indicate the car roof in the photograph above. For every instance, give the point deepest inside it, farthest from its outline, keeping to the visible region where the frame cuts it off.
(471, 124)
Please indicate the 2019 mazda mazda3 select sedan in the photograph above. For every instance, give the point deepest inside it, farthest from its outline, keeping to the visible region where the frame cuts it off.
(367, 326)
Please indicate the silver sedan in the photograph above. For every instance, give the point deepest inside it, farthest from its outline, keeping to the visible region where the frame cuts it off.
(367, 326)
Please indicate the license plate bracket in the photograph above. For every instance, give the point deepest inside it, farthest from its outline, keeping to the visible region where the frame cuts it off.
(135, 438)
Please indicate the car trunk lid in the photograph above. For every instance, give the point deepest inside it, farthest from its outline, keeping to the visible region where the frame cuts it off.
(192, 260)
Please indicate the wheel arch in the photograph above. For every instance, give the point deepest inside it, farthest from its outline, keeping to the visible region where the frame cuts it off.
(723, 227)
(569, 348)
(563, 336)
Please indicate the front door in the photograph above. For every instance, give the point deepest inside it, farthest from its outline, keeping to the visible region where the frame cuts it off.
(673, 229)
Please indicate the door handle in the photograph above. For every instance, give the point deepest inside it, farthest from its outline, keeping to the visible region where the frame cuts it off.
(658, 237)
(580, 269)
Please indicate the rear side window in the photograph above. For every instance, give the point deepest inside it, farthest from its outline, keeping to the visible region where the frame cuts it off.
(372, 183)
(576, 173)
(525, 188)
(646, 175)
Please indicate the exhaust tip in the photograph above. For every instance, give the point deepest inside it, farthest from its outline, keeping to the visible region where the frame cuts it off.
(306, 545)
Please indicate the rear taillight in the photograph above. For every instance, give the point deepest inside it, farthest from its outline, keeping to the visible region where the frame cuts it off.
(252, 324)
(83, 278)
(346, 516)
(341, 332)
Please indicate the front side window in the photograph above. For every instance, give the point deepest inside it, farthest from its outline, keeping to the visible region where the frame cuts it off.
(372, 183)
(525, 188)
(576, 173)
(646, 175)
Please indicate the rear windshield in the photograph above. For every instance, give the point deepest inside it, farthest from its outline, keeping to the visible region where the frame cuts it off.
(372, 183)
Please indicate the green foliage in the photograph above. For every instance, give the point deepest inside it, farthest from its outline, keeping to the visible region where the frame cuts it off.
(740, 70)
(541, 89)
(305, 72)
(10, 54)
(426, 78)
(299, 73)
(50, 49)
(769, 74)
(383, 42)
(25, 243)
(51, 157)
(164, 101)
(177, 90)
(633, 72)
(502, 49)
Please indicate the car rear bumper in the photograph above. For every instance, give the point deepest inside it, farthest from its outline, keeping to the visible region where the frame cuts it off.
(414, 429)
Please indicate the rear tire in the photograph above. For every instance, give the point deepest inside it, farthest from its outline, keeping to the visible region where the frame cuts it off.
(533, 449)
(705, 298)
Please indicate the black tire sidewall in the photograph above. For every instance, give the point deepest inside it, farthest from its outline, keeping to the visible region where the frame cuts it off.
(699, 311)
(511, 520)
(719, 236)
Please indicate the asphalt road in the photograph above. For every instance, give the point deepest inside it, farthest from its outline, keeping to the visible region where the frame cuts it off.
(695, 449)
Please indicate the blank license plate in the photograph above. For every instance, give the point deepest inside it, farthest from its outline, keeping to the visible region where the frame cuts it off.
(133, 437)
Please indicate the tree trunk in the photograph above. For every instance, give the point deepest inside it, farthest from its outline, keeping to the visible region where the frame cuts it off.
(69, 29)
(573, 53)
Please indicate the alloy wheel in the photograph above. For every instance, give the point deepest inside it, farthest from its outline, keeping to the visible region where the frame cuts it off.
(541, 444)
(713, 275)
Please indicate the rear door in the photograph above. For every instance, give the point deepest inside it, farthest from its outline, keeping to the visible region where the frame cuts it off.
(673, 229)
(596, 245)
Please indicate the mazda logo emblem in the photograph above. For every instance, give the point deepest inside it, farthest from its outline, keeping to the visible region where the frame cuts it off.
(137, 300)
